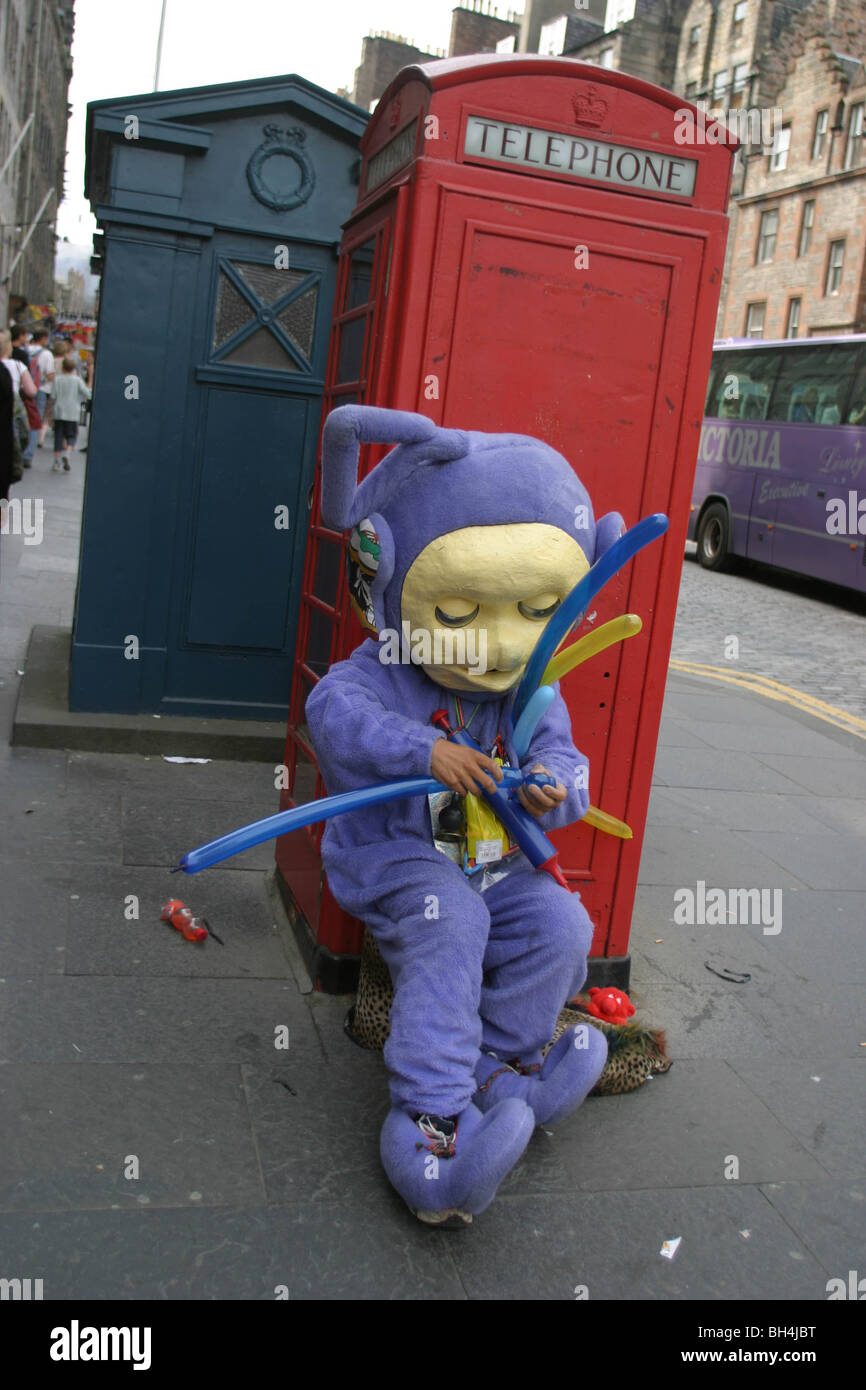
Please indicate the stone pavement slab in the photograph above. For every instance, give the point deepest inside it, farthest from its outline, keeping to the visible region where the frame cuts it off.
(92, 1019)
(69, 1132)
(103, 940)
(829, 1219)
(827, 1115)
(47, 824)
(157, 831)
(820, 861)
(546, 1247)
(685, 807)
(693, 767)
(325, 1251)
(722, 859)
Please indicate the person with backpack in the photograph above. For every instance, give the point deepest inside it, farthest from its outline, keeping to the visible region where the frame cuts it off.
(42, 372)
(7, 442)
(23, 390)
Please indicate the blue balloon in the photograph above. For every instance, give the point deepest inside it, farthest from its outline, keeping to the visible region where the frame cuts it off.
(572, 608)
(280, 824)
(536, 706)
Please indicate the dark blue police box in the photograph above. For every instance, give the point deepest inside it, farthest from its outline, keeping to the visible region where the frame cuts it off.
(221, 210)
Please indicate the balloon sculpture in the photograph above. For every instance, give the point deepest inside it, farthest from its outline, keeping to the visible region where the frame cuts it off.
(473, 557)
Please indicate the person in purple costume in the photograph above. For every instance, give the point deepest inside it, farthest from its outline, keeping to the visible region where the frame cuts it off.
(478, 537)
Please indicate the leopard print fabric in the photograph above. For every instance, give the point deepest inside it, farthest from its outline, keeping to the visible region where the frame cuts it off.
(635, 1053)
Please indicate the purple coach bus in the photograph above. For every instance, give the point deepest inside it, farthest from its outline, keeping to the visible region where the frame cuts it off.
(781, 472)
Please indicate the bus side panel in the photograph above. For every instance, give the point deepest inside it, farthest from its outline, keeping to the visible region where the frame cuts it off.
(716, 477)
(814, 531)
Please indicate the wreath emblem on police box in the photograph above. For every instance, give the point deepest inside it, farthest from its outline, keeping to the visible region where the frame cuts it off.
(278, 146)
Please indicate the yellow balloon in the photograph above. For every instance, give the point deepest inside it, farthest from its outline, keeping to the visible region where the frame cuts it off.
(594, 642)
(600, 820)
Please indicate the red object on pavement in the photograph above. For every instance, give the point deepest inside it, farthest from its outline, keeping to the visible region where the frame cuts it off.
(610, 1005)
(182, 919)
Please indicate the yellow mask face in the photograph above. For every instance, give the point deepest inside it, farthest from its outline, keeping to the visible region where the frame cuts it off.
(477, 600)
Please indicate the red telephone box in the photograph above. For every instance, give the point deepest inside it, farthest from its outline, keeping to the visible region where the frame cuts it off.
(536, 249)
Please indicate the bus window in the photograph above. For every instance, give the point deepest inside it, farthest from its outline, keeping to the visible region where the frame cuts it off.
(813, 386)
(857, 404)
(741, 385)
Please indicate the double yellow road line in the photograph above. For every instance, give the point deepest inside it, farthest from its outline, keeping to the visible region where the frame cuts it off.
(774, 690)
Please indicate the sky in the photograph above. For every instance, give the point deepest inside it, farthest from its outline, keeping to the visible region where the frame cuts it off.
(206, 41)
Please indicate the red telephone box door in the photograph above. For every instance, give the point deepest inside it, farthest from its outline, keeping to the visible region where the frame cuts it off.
(584, 287)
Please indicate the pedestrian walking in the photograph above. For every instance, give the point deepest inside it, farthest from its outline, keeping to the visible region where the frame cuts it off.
(68, 391)
(7, 448)
(24, 389)
(42, 372)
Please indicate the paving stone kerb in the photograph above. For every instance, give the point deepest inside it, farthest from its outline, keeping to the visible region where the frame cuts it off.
(43, 718)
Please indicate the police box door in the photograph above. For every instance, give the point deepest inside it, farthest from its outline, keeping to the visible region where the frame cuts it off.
(251, 423)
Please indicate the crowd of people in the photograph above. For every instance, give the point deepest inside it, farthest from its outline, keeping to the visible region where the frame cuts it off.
(42, 387)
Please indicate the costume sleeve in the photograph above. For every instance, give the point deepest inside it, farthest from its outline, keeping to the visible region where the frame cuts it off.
(552, 745)
(358, 739)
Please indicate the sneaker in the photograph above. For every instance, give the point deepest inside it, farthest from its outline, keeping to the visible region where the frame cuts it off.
(440, 1133)
(26, 463)
(56, 468)
(65, 464)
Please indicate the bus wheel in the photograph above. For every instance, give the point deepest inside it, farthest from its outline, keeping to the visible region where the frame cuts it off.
(713, 538)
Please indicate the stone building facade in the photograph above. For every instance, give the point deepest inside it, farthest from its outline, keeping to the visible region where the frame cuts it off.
(475, 28)
(382, 57)
(646, 45)
(35, 68)
(798, 247)
(478, 29)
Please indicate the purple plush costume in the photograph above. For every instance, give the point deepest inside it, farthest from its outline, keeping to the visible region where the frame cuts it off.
(489, 972)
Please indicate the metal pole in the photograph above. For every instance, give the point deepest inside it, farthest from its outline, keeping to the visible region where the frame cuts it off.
(22, 133)
(159, 47)
(31, 229)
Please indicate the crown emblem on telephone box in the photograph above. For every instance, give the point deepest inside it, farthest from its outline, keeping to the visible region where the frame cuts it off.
(589, 107)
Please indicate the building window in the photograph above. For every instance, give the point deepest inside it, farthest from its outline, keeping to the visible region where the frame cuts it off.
(552, 38)
(694, 37)
(781, 146)
(855, 136)
(755, 320)
(819, 139)
(720, 83)
(793, 318)
(807, 222)
(767, 237)
(738, 20)
(834, 266)
(741, 71)
(606, 58)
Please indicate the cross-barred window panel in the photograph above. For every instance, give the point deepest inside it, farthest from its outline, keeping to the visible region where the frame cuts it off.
(266, 281)
(251, 294)
(261, 349)
(233, 312)
(298, 319)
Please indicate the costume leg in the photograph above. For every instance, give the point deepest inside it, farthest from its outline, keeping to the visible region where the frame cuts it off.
(536, 958)
(539, 939)
(432, 931)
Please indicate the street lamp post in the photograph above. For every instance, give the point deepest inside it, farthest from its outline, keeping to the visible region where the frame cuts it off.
(159, 47)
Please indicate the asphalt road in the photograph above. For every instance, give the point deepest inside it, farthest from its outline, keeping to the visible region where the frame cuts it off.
(806, 634)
